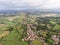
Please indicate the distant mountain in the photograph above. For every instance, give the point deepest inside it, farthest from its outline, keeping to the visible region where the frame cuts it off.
(33, 11)
(9, 11)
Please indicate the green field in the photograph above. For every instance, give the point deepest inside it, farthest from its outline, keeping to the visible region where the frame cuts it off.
(43, 27)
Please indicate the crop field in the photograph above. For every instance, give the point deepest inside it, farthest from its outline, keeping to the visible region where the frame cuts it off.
(29, 30)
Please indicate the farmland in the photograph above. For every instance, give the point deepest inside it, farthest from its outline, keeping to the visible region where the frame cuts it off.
(29, 30)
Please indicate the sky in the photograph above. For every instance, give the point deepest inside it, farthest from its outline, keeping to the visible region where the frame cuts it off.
(29, 4)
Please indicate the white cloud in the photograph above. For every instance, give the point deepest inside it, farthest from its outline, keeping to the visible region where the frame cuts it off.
(21, 4)
(52, 4)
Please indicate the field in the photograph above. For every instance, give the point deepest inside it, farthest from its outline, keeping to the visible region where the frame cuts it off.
(29, 30)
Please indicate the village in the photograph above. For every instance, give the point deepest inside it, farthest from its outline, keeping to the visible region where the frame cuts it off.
(32, 36)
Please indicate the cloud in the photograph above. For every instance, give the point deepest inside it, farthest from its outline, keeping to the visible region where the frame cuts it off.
(52, 4)
(24, 4)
